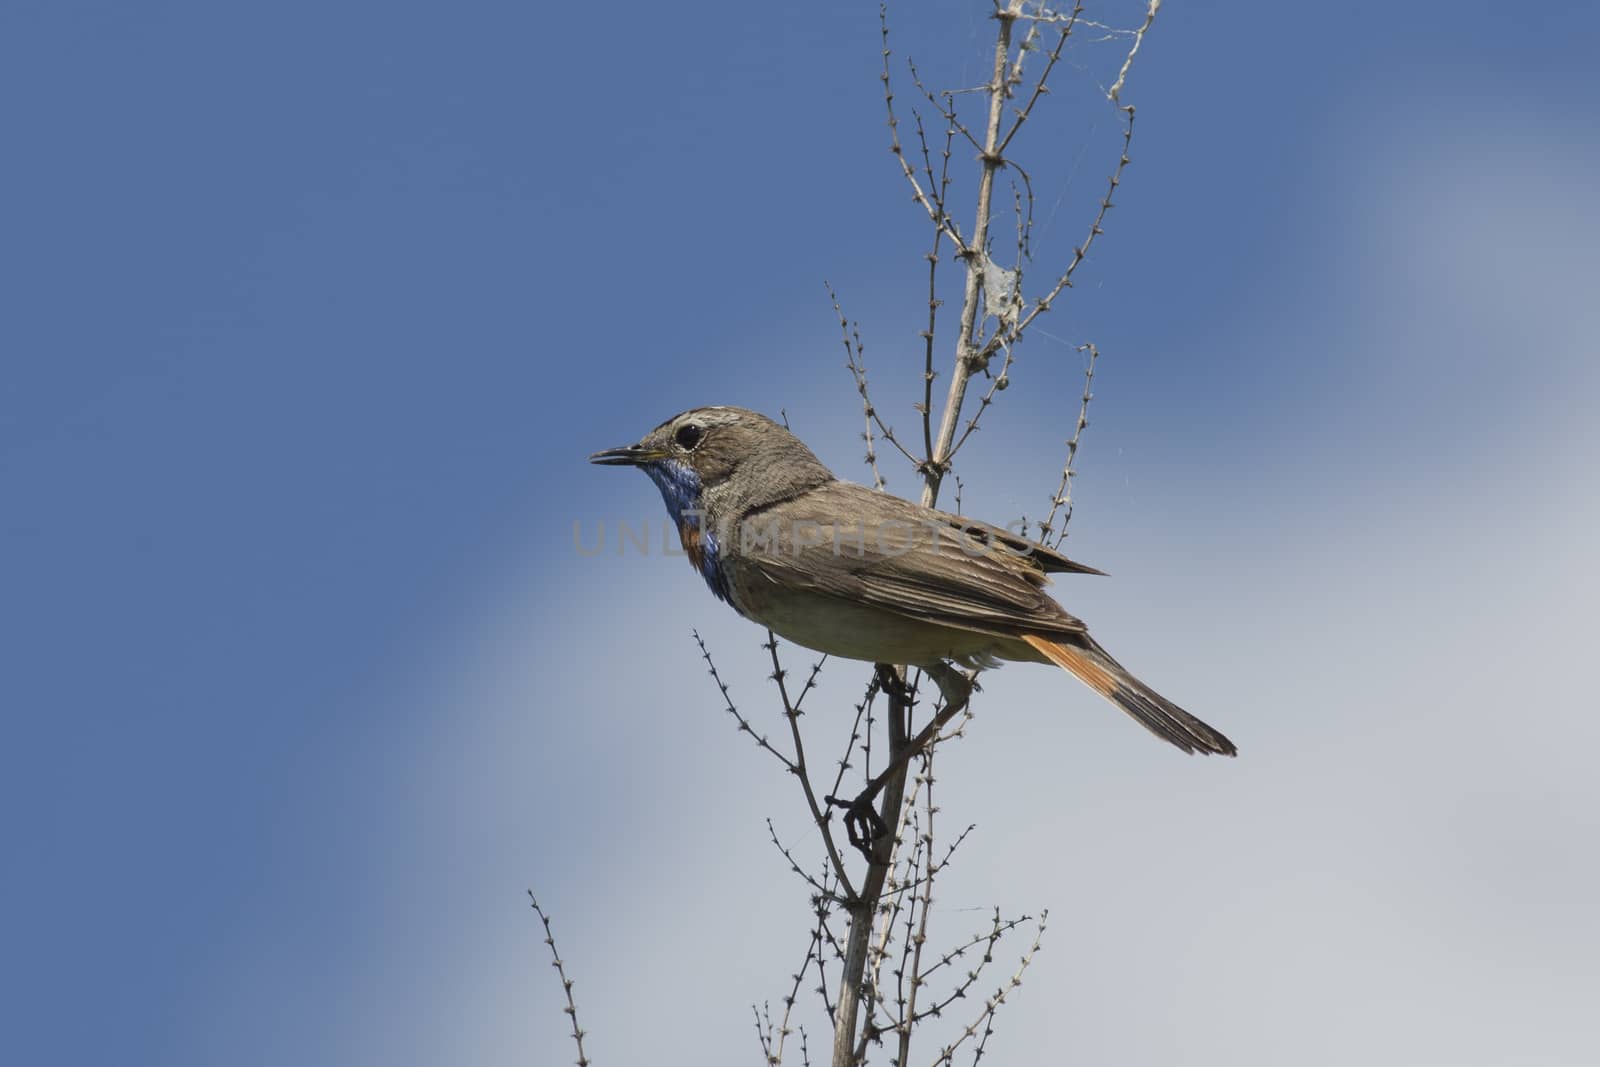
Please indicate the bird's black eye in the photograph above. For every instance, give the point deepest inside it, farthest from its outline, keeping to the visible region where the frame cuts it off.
(688, 436)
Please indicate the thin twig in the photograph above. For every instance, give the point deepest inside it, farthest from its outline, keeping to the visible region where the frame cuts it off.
(909, 1015)
(863, 710)
(925, 408)
(998, 929)
(990, 1007)
(855, 361)
(997, 383)
(797, 767)
(938, 217)
(822, 906)
(1063, 494)
(949, 959)
(862, 907)
(794, 864)
(1039, 86)
(773, 1038)
(727, 699)
(890, 903)
(1079, 253)
(947, 108)
(566, 983)
(968, 355)
(1138, 39)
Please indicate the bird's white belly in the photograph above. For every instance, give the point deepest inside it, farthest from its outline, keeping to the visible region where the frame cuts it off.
(853, 631)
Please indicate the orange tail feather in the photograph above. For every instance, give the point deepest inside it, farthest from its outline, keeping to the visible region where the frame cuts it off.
(1090, 663)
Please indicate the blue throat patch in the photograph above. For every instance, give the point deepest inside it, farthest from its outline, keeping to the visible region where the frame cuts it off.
(680, 489)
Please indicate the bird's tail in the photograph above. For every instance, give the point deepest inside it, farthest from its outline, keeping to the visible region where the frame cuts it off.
(1095, 668)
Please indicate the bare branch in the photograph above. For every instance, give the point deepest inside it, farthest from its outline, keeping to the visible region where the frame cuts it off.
(1039, 86)
(1063, 494)
(986, 1017)
(863, 710)
(968, 356)
(997, 383)
(1079, 253)
(794, 864)
(797, 767)
(937, 216)
(744, 724)
(947, 108)
(928, 373)
(1115, 92)
(773, 1037)
(988, 937)
(854, 353)
(566, 983)
(920, 938)
(852, 992)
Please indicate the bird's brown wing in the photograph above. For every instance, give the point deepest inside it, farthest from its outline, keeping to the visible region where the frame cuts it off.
(846, 541)
(1048, 559)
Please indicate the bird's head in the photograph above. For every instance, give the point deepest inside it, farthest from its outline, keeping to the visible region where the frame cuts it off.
(752, 458)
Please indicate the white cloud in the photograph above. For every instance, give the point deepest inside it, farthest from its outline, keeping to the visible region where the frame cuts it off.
(1392, 872)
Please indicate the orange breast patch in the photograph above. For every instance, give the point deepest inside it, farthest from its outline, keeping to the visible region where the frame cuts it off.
(689, 534)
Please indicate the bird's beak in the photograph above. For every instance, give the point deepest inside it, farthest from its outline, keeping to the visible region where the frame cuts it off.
(626, 456)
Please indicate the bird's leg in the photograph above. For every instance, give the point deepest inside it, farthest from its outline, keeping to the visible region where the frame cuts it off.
(890, 682)
(861, 820)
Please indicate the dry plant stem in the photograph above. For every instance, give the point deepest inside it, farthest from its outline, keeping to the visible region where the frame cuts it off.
(820, 935)
(999, 382)
(855, 361)
(933, 201)
(972, 355)
(727, 699)
(862, 905)
(901, 756)
(904, 913)
(998, 928)
(1039, 85)
(928, 373)
(796, 766)
(882, 862)
(892, 781)
(1151, 7)
(773, 1037)
(1063, 494)
(989, 938)
(935, 211)
(890, 905)
(1079, 254)
(566, 983)
(909, 1015)
(794, 865)
(992, 1005)
(791, 711)
(863, 710)
(975, 254)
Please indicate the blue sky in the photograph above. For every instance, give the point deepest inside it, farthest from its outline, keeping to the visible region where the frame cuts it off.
(313, 313)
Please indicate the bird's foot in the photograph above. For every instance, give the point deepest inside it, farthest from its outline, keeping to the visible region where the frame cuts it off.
(861, 820)
(891, 684)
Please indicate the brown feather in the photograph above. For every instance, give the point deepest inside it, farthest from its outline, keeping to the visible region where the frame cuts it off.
(1091, 664)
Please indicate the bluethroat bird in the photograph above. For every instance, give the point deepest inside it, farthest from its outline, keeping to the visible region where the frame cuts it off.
(861, 574)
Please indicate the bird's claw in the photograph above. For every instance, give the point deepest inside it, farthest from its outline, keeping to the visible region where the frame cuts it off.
(891, 684)
(861, 821)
